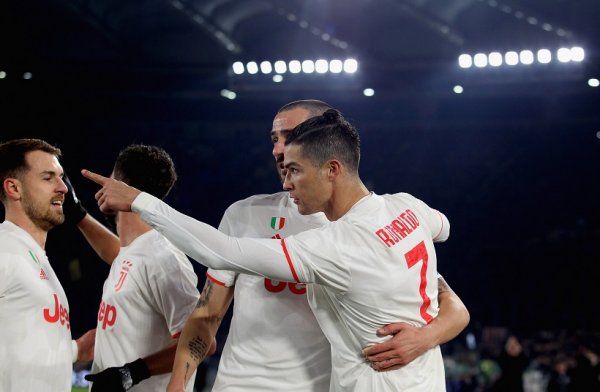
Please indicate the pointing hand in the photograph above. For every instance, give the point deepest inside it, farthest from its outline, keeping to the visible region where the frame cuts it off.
(114, 196)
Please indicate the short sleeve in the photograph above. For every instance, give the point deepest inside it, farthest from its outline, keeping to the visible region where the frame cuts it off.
(438, 224)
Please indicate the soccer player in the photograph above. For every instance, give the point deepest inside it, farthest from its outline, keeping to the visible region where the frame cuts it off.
(274, 341)
(373, 264)
(37, 352)
(150, 290)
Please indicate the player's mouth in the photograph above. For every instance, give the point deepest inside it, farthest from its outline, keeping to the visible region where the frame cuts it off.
(57, 202)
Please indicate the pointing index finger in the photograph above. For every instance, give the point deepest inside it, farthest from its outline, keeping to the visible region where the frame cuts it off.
(97, 178)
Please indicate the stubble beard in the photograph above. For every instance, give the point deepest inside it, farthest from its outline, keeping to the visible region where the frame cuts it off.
(44, 218)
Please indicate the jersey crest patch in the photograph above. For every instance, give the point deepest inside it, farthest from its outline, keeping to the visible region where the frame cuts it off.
(124, 270)
(277, 223)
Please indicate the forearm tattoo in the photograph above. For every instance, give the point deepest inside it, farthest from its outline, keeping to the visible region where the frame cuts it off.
(198, 348)
(186, 377)
(205, 295)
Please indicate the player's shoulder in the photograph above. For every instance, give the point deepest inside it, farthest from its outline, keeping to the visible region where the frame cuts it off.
(11, 240)
(159, 254)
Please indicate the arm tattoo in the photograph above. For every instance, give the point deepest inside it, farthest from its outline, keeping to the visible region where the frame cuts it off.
(187, 369)
(443, 286)
(198, 348)
(206, 292)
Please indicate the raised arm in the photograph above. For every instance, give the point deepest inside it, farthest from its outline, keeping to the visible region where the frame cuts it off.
(104, 242)
(199, 333)
(408, 342)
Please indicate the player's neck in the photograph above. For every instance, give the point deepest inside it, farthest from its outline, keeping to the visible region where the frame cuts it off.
(129, 227)
(345, 197)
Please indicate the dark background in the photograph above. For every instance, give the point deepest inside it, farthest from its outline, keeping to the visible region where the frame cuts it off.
(513, 161)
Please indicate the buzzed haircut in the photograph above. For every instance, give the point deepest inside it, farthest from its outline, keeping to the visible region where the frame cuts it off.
(328, 136)
(313, 106)
(147, 168)
(12, 157)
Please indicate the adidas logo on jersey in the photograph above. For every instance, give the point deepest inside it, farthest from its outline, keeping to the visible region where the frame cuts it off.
(43, 275)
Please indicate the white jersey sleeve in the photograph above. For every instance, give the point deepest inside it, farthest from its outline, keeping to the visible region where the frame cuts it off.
(438, 224)
(209, 247)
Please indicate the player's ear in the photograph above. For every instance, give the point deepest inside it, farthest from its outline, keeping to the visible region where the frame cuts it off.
(12, 188)
(334, 168)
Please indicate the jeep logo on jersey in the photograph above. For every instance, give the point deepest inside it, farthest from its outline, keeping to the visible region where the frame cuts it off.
(107, 315)
(123, 274)
(277, 222)
(61, 314)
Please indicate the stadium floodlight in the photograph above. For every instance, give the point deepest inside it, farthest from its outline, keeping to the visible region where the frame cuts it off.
(350, 66)
(277, 78)
(308, 66)
(252, 67)
(511, 58)
(238, 68)
(368, 92)
(495, 59)
(526, 57)
(295, 66)
(480, 60)
(563, 55)
(465, 61)
(577, 54)
(266, 67)
(321, 66)
(593, 82)
(280, 67)
(458, 89)
(228, 94)
(544, 56)
(336, 66)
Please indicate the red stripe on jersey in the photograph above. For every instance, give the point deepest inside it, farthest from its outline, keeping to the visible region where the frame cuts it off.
(176, 335)
(441, 228)
(289, 261)
(217, 281)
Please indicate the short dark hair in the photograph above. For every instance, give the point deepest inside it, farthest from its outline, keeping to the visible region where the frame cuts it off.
(328, 136)
(313, 106)
(12, 157)
(147, 168)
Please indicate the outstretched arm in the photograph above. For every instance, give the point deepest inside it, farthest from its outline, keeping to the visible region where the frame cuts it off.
(408, 342)
(199, 333)
(202, 242)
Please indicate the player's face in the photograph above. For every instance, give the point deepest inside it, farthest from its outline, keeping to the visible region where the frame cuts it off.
(43, 191)
(283, 124)
(309, 186)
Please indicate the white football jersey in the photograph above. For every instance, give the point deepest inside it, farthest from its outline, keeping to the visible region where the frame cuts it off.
(374, 266)
(148, 295)
(274, 341)
(35, 331)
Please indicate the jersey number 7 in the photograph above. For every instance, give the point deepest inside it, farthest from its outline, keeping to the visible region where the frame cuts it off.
(413, 256)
